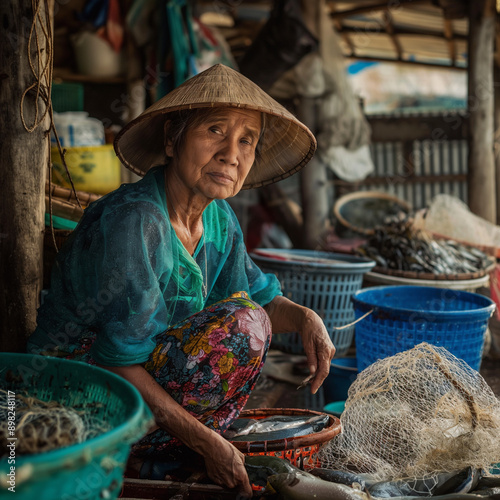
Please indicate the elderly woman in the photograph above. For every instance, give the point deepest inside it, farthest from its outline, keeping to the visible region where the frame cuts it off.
(155, 283)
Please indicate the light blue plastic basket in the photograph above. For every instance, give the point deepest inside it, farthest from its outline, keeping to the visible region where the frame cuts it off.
(404, 316)
(93, 469)
(324, 287)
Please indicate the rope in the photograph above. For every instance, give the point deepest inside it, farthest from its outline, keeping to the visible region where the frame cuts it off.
(41, 68)
(354, 322)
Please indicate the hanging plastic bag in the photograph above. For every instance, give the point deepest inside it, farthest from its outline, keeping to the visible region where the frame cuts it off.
(281, 44)
(212, 47)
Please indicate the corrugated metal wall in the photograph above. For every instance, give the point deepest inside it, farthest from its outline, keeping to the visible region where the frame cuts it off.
(416, 168)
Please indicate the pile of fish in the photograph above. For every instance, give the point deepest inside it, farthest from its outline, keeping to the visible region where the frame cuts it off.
(399, 246)
(287, 482)
(275, 427)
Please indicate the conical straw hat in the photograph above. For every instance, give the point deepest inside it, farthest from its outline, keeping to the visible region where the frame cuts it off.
(287, 143)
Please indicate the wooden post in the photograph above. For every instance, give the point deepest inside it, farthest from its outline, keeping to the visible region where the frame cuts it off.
(313, 178)
(497, 131)
(313, 184)
(481, 176)
(23, 164)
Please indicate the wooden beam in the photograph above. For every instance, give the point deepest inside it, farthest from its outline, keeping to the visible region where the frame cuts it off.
(404, 61)
(496, 139)
(23, 164)
(418, 128)
(313, 183)
(151, 488)
(448, 34)
(497, 43)
(398, 30)
(453, 9)
(374, 7)
(481, 173)
(337, 23)
(410, 179)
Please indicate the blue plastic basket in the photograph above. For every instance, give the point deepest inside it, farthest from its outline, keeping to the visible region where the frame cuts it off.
(404, 316)
(343, 372)
(94, 468)
(326, 288)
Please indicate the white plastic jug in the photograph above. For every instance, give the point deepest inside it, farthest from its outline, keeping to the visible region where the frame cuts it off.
(78, 129)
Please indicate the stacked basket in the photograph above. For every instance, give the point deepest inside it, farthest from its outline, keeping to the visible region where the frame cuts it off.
(322, 281)
(92, 469)
(400, 317)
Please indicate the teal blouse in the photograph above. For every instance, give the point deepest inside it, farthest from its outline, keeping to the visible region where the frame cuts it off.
(124, 276)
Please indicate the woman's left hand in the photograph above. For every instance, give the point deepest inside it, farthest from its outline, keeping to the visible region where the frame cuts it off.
(287, 316)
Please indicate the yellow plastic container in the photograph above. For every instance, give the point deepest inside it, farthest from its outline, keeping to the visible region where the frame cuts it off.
(95, 169)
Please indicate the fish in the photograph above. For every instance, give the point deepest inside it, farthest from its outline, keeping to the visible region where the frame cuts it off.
(359, 481)
(461, 481)
(398, 245)
(306, 381)
(300, 485)
(488, 492)
(486, 481)
(260, 467)
(275, 427)
(470, 477)
(492, 494)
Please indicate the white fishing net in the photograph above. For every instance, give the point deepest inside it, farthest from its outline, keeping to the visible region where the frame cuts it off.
(419, 412)
(42, 426)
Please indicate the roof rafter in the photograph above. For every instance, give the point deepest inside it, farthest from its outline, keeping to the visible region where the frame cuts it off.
(406, 61)
(373, 7)
(389, 27)
(405, 31)
(448, 34)
(340, 29)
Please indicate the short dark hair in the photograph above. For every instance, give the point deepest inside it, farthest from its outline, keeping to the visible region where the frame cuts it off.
(179, 122)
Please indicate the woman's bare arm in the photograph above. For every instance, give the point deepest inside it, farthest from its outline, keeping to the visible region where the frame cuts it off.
(287, 316)
(224, 463)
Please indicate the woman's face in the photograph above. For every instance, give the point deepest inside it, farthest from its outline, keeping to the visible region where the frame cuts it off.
(217, 155)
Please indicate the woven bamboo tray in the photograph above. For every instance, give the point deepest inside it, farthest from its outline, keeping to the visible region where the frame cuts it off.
(366, 196)
(376, 279)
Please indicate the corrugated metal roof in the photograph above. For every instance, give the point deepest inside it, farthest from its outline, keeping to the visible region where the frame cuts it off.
(409, 31)
(401, 31)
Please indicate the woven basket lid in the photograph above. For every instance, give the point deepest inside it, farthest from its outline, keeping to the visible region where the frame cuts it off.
(287, 143)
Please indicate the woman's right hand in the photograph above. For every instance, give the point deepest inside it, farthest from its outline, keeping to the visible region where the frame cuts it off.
(226, 467)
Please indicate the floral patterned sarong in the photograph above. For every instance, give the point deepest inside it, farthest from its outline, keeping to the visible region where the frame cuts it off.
(209, 363)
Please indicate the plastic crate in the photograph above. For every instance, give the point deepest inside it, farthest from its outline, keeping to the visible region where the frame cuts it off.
(324, 287)
(94, 468)
(404, 316)
(67, 97)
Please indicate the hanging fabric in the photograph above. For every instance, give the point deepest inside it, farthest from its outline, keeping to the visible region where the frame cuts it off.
(182, 40)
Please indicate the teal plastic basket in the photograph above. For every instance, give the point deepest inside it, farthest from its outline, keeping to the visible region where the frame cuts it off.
(67, 96)
(325, 287)
(89, 470)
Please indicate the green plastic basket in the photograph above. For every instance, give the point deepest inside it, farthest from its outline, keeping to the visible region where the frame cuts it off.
(67, 97)
(90, 470)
